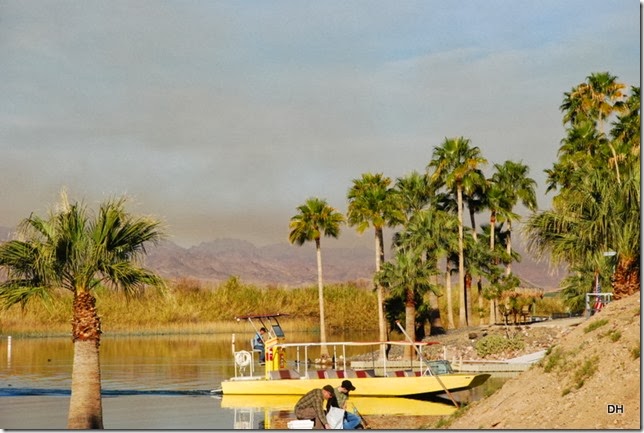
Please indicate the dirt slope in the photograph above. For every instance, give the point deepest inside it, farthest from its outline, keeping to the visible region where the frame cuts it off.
(589, 380)
(585, 373)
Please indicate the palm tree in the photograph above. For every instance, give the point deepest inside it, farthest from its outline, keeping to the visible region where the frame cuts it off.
(454, 164)
(597, 208)
(596, 100)
(511, 178)
(430, 233)
(372, 203)
(407, 276)
(76, 251)
(414, 193)
(316, 218)
(627, 127)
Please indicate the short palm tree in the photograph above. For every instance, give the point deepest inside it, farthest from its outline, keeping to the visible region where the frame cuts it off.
(316, 218)
(76, 251)
(407, 276)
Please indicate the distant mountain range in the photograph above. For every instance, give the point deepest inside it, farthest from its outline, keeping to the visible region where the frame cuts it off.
(287, 265)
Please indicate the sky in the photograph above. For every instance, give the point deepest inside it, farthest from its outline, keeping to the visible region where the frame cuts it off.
(221, 117)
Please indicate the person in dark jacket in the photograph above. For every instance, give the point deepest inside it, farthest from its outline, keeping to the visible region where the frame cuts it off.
(311, 406)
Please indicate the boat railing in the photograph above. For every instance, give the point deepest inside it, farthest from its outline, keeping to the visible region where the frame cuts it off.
(338, 357)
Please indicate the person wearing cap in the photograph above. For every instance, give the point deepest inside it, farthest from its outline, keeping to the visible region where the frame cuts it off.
(311, 406)
(340, 396)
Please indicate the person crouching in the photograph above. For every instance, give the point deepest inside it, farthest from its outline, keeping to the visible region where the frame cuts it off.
(311, 406)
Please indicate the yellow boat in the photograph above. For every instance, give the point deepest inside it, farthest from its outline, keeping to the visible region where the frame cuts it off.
(434, 377)
(366, 405)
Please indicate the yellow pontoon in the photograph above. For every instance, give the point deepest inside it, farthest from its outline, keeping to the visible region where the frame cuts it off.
(384, 380)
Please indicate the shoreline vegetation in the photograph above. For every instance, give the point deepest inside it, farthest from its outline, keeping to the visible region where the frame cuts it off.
(190, 306)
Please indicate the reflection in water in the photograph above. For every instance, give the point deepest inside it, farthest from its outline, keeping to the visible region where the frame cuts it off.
(142, 367)
(253, 409)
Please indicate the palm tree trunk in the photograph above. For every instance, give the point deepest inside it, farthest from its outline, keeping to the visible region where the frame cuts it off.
(448, 293)
(468, 298)
(626, 278)
(508, 267)
(85, 405)
(380, 258)
(479, 291)
(324, 351)
(492, 312)
(435, 321)
(492, 320)
(492, 229)
(410, 324)
(462, 318)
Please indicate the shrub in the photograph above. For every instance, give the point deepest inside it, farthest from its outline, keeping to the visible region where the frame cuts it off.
(553, 359)
(595, 325)
(635, 351)
(587, 369)
(493, 344)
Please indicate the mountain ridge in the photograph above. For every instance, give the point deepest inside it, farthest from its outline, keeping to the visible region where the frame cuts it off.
(289, 265)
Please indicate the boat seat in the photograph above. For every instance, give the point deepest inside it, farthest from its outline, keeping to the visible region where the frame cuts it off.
(252, 348)
(397, 373)
(284, 374)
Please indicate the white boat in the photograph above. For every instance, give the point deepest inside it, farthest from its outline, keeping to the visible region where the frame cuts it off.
(281, 377)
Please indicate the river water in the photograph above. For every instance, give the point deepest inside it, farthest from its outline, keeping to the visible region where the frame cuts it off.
(150, 382)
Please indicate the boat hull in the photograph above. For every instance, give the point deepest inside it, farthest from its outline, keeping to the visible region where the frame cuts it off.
(409, 386)
(366, 405)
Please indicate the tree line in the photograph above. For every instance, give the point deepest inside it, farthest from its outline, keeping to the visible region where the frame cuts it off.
(595, 214)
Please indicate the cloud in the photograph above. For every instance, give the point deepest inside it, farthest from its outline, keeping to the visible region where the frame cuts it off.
(222, 117)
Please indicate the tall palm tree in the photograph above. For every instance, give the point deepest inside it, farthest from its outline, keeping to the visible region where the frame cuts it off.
(600, 210)
(512, 179)
(414, 193)
(77, 251)
(454, 164)
(316, 218)
(596, 100)
(586, 149)
(372, 203)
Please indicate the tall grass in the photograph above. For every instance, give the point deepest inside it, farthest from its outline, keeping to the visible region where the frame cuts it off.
(193, 306)
(190, 306)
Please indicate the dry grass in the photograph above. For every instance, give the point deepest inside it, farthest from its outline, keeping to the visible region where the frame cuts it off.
(195, 307)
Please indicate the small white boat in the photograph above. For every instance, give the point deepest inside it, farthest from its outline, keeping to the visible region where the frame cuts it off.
(424, 379)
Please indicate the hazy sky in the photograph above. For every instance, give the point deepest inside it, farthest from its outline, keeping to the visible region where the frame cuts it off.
(221, 117)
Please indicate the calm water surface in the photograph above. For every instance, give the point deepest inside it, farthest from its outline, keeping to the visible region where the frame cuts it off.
(175, 374)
